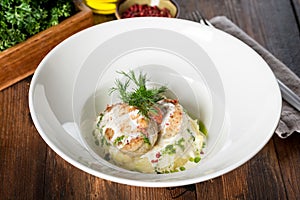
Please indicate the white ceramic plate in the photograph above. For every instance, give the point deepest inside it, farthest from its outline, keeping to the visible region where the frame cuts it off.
(211, 72)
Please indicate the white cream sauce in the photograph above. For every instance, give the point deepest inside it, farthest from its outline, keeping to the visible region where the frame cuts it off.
(173, 145)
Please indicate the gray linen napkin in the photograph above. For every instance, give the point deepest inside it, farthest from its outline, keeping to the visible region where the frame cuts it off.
(290, 117)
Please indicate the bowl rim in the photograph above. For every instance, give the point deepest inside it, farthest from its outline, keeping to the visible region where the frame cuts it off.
(172, 183)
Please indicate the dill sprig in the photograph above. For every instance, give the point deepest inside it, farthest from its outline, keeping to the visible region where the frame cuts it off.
(141, 97)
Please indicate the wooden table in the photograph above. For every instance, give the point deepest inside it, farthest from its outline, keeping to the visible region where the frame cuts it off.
(29, 169)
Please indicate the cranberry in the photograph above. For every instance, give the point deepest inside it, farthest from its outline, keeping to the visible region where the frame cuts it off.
(145, 10)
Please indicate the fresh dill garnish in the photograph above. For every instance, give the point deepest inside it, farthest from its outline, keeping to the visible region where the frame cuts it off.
(141, 97)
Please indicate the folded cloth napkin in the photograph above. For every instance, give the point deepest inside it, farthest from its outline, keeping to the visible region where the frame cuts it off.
(290, 117)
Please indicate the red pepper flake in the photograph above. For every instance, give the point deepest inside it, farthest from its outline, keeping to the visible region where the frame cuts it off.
(167, 124)
(173, 101)
(154, 161)
(108, 107)
(157, 155)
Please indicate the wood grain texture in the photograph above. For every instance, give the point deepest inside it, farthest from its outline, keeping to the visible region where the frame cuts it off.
(21, 60)
(63, 181)
(249, 181)
(29, 169)
(288, 154)
(22, 151)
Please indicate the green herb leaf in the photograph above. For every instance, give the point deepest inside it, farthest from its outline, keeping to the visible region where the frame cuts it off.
(141, 97)
(21, 19)
(202, 127)
(180, 143)
(169, 149)
(119, 139)
(146, 139)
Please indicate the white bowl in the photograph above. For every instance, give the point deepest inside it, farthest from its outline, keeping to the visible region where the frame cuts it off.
(70, 87)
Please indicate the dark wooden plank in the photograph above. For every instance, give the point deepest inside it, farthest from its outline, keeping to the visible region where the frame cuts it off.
(264, 175)
(272, 23)
(22, 151)
(288, 152)
(249, 181)
(212, 189)
(64, 181)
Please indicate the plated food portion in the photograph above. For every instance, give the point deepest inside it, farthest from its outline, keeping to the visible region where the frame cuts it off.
(64, 103)
(147, 131)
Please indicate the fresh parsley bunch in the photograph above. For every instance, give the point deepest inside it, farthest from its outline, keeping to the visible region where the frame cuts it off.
(21, 19)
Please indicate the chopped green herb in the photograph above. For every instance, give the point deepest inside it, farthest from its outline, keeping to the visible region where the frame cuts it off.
(101, 130)
(100, 119)
(104, 142)
(180, 143)
(190, 132)
(202, 127)
(169, 149)
(119, 139)
(97, 142)
(146, 140)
